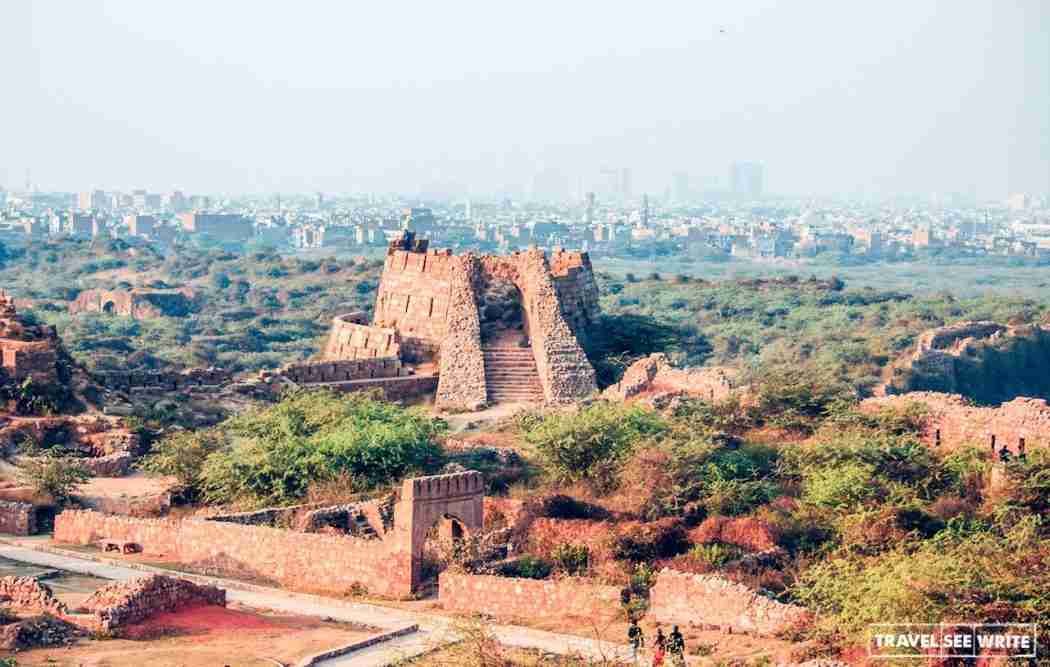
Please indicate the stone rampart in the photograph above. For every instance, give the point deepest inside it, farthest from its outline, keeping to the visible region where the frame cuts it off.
(952, 422)
(350, 339)
(462, 364)
(712, 602)
(528, 598)
(413, 298)
(577, 290)
(259, 553)
(125, 602)
(163, 380)
(17, 518)
(317, 372)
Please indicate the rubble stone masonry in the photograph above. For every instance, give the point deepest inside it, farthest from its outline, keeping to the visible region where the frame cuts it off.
(17, 518)
(954, 422)
(125, 602)
(281, 557)
(712, 602)
(527, 598)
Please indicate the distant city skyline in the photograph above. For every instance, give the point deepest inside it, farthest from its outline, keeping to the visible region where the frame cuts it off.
(878, 99)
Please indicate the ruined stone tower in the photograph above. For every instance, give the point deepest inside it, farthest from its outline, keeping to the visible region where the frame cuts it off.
(496, 328)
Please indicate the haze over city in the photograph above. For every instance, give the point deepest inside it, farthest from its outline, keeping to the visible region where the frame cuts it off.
(458, 98)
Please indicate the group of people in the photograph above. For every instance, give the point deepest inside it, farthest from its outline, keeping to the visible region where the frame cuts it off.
(662, 645)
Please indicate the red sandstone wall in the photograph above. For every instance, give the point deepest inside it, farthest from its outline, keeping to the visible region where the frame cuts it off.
(341, 371)
(527, 598)
(17, 518)
(709, 601)
(963, 424)
(352, 340)
(577, 289)
(286, 558)
(413, 297)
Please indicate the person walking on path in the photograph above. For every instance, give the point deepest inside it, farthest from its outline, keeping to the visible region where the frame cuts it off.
(636, 638)
(676, 647)
(659, 648)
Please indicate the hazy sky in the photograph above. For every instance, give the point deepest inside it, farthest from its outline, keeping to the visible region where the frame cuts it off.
(222, 96)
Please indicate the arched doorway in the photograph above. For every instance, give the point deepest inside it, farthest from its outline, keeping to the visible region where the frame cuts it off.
(446, 543)
(109, 308)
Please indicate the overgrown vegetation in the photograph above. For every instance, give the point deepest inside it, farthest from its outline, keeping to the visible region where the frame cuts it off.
(274, 455)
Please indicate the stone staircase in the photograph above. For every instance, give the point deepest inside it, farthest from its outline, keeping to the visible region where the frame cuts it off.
(511, 375)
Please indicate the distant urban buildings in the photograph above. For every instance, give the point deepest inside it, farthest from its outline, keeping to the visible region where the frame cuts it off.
(746, 179)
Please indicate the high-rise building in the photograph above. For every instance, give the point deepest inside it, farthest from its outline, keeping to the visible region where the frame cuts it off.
(590, 207)
(645, 210)
(745, 179)
(92, 200)
(222, 226)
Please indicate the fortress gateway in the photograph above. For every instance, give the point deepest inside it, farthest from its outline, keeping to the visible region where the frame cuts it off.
(494, 328)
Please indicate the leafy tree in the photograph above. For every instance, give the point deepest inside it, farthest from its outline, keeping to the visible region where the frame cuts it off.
(182, 454)
(56, 477)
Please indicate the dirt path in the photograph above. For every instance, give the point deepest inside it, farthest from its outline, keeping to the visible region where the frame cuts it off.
(434, 631)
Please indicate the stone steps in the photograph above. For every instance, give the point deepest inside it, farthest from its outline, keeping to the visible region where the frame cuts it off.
(511, 375)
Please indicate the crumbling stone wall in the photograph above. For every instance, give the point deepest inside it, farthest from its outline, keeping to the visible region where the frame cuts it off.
(17, 518)
(461, 382)
(136, 303)
(25, 596)
(656, 374)
(985, 361)
(954, 422)
(315, 372)
(527, 598)
(577, 289)
(389, 566)
(712, 602)
(351, 339)
(282, 557)
(26, 350)
(125, 602)
(163, 380)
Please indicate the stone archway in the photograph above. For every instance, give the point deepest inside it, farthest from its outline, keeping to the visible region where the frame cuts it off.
(453, 502)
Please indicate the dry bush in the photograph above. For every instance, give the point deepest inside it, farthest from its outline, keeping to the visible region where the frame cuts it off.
(546, 535)
(645, 481)
(949, 507)
(748, 533)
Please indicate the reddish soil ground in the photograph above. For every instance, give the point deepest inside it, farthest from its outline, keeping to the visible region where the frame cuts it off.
(205, 637)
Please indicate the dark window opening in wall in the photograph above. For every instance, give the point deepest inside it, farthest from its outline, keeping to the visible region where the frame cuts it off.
(109, 308)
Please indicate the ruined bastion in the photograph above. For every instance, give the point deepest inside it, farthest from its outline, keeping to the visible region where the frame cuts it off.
(987, 362)
(490, 329)
(27, 350)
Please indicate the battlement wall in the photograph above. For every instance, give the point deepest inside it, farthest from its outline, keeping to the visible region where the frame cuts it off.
(350, 340)
(413, 298)
(443, 486)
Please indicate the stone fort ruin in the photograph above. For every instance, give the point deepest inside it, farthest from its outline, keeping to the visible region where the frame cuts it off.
(483, 329)
(378, 544)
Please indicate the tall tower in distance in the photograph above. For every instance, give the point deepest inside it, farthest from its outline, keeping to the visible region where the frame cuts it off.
(746, 178)
(590, 208)
(645, 210)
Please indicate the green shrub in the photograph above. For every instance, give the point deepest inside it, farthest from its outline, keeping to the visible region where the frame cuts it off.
(590, 444)
(573, 559)
(313, 436)
(182, 454)
(715, 554)
(527, 567)
(56, 477)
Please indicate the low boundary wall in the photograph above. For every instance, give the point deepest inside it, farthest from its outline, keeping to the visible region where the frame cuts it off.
(712, 602)
(257, 553)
